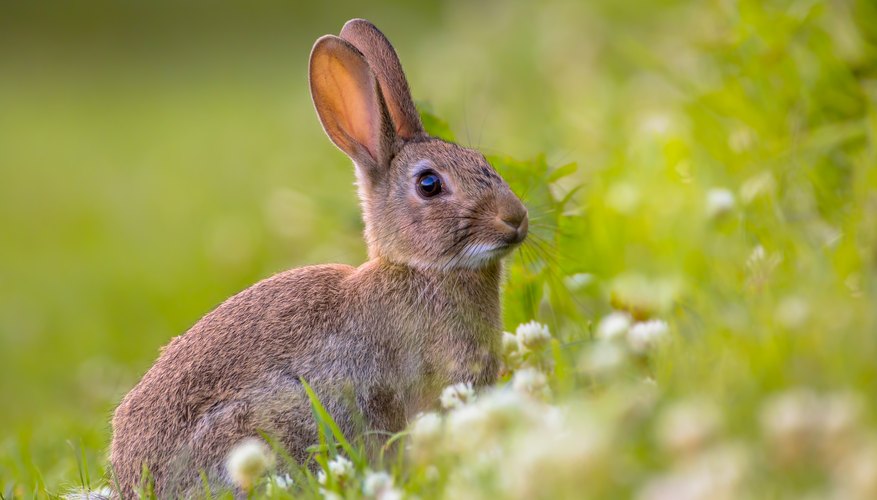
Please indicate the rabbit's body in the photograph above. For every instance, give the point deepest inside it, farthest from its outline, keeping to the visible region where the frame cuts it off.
(377, 342)
(236, 372)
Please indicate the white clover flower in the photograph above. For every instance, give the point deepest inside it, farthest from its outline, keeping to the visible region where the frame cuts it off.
(330, 495)
(791, 421)
(280, 483)
(688, 426)
(457, 395)
(85, 494)
(379, 485)
(283, 481)
(511, 353)
(792, 312)
(719, 201)
(249, 461)
(645, 335)
(530, 381)
(532, 336)
(656, 123)
(841, 415)
(840, 426)
(509, 343)
(603, 358)
(426, 428)
(855, 477)
(578, 281)
(376, 482)
(623, 197)
(553, 455)
(341, 467)
(470, 428)
(391, 494)
(477, 428)
(554, 419)
(717, 474)
(503, 406)
(466, 420)
(432, 473)
(741, 140)
(613, 325)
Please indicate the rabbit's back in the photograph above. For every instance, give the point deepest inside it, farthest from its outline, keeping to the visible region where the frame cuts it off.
(234, 373)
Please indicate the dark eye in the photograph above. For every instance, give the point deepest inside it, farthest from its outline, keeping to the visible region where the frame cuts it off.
(429, 184)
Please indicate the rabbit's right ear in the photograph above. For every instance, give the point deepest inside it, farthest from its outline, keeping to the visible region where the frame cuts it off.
(349, 103)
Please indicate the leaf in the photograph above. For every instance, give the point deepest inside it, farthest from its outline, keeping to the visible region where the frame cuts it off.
(562, 171)
(434, 125)
(568, 196)
(322, 417)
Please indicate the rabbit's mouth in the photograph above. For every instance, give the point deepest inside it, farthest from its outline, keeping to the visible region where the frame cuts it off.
(480, 254)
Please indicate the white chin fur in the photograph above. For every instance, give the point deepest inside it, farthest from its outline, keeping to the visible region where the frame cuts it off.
(477, 255)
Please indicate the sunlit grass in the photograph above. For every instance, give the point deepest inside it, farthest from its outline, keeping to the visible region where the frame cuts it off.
(702, 250)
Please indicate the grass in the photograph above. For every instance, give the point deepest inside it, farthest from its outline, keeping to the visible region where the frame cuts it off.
(710, 165)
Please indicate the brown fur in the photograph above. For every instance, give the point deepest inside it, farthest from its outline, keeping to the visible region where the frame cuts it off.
(377, 342)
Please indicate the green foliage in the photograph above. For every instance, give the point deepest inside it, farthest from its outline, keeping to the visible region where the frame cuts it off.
(723, 187)
(329, 431)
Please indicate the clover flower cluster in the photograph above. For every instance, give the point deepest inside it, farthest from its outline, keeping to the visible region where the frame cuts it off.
(526, 347)
(701, 464)
(251, 463)
(619, 338)
(340, 469)
(515, 440)
(801, 430)
(508, 433)
(376, 485)
(825, 431)
(477, 434)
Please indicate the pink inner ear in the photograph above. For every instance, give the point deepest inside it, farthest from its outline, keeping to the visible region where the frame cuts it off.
(350, 89)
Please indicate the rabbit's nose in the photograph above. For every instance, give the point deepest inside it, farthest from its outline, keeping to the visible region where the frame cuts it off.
(516, 220)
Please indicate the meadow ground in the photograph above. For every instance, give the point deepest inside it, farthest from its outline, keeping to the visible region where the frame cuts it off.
(702, 183)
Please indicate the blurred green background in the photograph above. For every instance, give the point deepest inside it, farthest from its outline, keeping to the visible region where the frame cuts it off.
(157, 157)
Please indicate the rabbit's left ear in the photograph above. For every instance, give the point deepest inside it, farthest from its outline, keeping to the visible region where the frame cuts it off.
(385, 63)
(350, 105)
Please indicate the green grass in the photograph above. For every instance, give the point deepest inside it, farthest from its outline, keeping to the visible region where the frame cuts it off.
(148, 173)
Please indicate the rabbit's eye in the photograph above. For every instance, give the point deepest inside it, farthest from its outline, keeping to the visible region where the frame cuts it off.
(429, 184)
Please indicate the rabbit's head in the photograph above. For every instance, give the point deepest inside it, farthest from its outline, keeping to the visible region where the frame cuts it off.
(427, 203)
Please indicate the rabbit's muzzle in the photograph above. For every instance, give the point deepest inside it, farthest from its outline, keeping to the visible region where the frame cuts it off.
(512, 222)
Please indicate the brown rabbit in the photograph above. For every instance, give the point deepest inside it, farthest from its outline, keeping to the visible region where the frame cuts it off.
(377, 342)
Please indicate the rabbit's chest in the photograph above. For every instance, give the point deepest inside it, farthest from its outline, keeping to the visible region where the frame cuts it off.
(450, 356)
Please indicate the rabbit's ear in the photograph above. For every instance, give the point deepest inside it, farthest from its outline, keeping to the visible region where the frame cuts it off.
(385, 63)
(349, 103)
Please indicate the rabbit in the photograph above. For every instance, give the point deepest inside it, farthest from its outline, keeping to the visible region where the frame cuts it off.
(377, 342)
